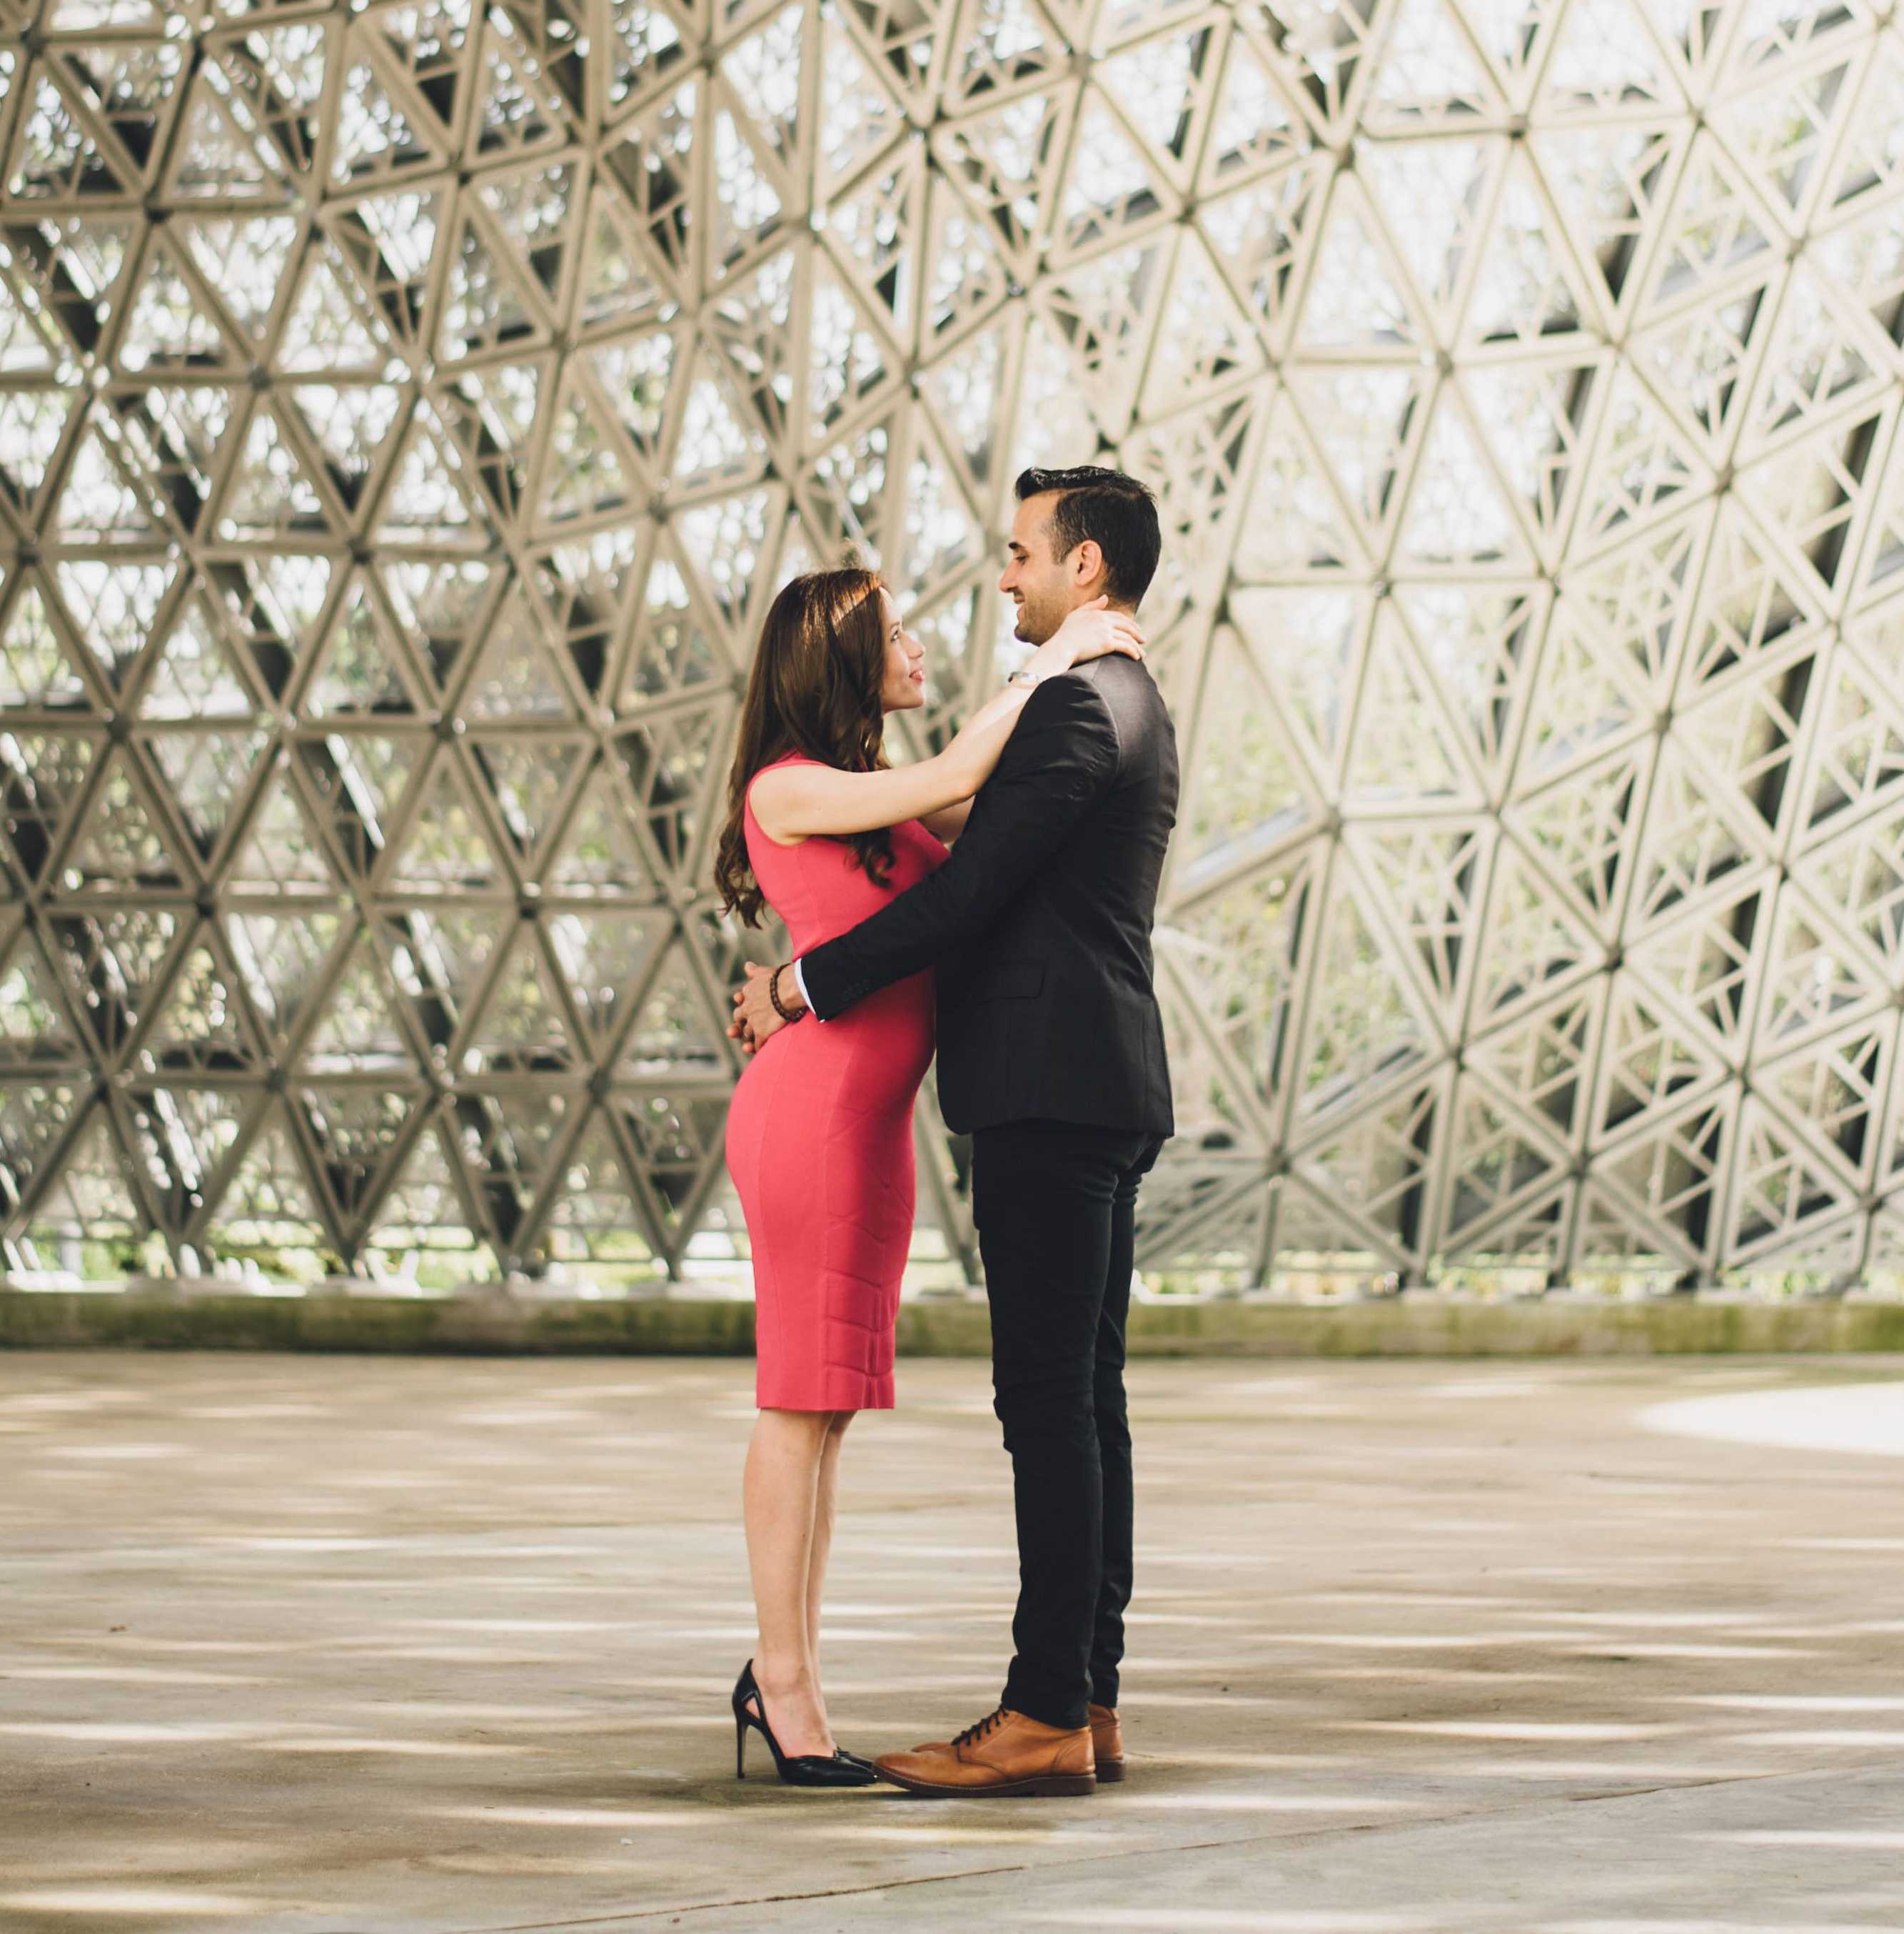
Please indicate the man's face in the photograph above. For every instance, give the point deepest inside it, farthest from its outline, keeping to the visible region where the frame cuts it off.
(1046, 589)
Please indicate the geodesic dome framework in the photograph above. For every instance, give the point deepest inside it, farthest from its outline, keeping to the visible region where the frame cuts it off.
(406, 412)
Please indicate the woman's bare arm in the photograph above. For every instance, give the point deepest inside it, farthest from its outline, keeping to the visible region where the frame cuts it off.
(797, 802)
(947, 826)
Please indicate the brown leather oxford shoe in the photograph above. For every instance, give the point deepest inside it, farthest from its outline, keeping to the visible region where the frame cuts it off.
(1106, 1744)
(1005, 1755)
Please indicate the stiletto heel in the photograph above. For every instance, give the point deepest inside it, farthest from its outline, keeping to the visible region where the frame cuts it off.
(836, 1769)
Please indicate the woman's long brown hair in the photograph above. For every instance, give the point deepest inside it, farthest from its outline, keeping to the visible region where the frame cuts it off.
(815, 688)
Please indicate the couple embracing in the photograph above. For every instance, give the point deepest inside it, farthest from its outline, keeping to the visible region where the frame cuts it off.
(998, 898)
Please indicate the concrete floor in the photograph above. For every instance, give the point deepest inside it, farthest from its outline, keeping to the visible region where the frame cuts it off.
(352, 1645)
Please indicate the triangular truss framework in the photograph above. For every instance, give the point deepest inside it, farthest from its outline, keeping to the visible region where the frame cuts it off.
(407, 409)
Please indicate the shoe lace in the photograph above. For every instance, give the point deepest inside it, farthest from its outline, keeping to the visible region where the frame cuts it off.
(973, 1734)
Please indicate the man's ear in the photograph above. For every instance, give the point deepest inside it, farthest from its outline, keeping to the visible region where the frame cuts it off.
(1088, 559)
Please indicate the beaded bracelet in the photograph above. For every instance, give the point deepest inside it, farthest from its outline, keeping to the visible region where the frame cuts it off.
(773, 994)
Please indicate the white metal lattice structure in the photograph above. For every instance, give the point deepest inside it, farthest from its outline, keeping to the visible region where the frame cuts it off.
(407, 409)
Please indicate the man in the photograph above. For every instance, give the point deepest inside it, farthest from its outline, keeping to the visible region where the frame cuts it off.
(1051, 1056)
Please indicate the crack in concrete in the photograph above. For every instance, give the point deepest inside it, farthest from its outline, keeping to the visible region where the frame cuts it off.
(680, 1911)
(1717, 1779)
(766, 1900)
(1096, 1857)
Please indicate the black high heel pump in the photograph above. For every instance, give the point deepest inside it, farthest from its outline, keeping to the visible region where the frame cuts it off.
(838, 1769)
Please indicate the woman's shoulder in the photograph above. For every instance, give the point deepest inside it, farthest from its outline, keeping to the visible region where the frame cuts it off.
(785, 763)
(785, 760)
(788, 759)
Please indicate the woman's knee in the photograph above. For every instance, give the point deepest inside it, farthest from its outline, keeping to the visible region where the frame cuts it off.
(809, 1427)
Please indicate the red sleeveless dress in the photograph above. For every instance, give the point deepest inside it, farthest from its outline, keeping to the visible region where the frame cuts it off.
(819, 1139)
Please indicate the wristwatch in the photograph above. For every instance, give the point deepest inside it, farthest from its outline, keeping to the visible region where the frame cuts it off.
(1024, 675)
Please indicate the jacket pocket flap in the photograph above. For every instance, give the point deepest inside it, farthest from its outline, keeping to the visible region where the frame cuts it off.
(1007, 979)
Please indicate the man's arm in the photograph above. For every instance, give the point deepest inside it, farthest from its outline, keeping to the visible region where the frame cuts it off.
(1061, 760)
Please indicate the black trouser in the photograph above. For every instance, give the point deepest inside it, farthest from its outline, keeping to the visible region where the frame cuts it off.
(1054, 1203)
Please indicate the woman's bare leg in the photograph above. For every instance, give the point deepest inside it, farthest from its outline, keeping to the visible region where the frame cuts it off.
(826, 1503)
(779, 1497)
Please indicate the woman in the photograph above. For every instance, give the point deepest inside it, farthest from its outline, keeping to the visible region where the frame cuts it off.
(819, 1136)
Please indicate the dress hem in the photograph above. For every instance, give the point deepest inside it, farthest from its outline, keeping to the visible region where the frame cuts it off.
(763, 1400)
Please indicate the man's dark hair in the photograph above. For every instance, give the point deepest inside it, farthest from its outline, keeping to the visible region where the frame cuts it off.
(1115, 512)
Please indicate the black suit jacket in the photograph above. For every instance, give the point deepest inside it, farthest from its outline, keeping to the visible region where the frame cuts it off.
(1039, 922)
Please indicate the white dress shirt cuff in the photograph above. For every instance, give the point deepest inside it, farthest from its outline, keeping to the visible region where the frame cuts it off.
(799, 981)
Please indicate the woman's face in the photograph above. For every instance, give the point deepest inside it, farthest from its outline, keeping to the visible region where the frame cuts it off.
(904, 688)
